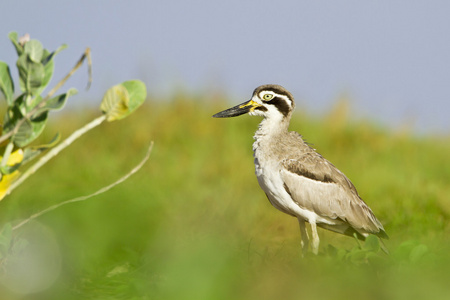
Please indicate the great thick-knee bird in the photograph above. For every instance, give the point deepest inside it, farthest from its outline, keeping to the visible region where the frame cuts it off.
(296, 179)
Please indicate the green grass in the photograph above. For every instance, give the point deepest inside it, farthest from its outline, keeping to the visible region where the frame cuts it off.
(194, 224)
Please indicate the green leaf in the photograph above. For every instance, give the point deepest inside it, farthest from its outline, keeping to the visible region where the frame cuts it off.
(48, 71)
(31, 74)
(122, 99)
(418, 252)
(22, 133)
(5, 170)
(49, 65)
(54, 103)
(13, 115)
(34, 50)
(27, 106)
(404, 251)
(57, 102)
(372, 243)
(5, 239)
(357, 256)
(331, 250)
(32, 152)
(30, 130)
(375, 259)
(137, 92)
(6, 83)
(14, 39)
(48, 57)
(115, 103)
(341, 254)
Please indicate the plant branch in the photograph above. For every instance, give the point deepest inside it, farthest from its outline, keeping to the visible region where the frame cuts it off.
(86, 54)
(83, 198)
(6, 154)
(54, 151)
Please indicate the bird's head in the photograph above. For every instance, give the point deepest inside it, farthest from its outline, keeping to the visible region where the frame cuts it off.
(269, 100)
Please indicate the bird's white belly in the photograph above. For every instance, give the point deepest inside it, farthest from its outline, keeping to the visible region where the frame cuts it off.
(269, 179)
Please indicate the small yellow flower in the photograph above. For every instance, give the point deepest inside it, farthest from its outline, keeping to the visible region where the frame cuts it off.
(15, 158)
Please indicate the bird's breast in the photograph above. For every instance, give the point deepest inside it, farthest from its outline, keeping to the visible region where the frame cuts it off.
(268, 173)
(269, 178)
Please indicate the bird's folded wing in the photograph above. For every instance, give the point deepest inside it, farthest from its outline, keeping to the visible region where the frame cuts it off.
(317, 185)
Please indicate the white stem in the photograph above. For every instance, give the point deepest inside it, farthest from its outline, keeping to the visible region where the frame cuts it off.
(53, 152)
(7, 153)
(83, 198)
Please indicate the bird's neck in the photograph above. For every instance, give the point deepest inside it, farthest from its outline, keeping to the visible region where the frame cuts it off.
(272, 127)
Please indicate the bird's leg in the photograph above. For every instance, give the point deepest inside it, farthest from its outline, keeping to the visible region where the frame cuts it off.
(315, 238)
(305, 237)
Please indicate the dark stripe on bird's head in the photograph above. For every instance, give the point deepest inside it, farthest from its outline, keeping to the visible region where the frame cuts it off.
(284, 106)
(281, 105)
(261, 108)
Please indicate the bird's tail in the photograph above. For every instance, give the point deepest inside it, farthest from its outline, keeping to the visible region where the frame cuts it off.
(383, 246)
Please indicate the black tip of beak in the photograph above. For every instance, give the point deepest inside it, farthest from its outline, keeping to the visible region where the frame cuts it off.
(234, 111)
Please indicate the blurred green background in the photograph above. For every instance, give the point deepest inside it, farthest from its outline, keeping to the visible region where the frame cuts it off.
(194, 224)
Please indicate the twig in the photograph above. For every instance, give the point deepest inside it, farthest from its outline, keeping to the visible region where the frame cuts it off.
(83, 198)
(86, 54)
(54, 151)
(89, 58)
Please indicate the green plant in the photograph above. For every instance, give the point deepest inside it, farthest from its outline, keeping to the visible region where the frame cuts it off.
(367, 253)
(27, 114)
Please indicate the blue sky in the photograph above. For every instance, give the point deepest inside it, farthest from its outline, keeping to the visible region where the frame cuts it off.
(391, 57)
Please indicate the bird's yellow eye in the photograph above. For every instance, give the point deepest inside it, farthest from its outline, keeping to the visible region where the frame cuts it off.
(267, 97)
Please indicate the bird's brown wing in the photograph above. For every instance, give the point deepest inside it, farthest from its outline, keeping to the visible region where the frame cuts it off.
(317, 185)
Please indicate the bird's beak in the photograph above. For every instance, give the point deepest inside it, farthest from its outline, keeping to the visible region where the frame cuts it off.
(237, 110)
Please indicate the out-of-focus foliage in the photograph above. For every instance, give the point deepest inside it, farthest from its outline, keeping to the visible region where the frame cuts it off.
(29, 255)
(194, 224)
